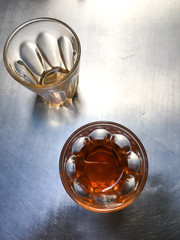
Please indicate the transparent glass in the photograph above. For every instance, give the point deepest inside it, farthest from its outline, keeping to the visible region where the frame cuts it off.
(44, 56)
(103, 166)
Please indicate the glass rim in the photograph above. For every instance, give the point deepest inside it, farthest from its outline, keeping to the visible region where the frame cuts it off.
(144, 157)
(41, 19)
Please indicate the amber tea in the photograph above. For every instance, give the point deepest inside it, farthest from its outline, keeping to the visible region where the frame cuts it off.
(102, 166)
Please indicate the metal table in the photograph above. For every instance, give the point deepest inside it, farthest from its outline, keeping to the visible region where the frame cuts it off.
(130, 74)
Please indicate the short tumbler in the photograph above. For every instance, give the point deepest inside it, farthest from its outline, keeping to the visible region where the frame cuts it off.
(44, 55)
(103, 166)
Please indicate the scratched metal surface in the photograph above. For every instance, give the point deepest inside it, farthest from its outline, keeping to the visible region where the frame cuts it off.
(130, 74)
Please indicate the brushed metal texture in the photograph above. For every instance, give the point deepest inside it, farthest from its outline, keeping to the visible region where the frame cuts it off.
(130, 74)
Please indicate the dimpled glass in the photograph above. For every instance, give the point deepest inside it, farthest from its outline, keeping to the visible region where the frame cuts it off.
(44, 56)
(103, 166)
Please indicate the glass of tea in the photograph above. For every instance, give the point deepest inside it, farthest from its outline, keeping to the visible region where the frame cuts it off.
(103, 166)
(44, 56)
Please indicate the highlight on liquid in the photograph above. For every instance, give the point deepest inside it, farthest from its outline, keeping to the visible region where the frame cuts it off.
(103, 166)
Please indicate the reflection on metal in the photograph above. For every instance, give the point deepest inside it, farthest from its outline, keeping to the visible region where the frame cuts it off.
(130, 74)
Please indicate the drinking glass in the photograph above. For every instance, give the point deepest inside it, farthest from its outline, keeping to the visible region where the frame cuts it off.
(103, 166)
(43, 55)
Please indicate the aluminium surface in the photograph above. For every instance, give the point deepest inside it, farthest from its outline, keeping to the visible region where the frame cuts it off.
(130, 74)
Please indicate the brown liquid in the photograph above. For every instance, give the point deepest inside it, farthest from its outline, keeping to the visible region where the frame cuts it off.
(102, 167)
(53, 76)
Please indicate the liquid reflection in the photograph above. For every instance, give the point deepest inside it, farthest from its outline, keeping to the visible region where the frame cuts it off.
(56, 116)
